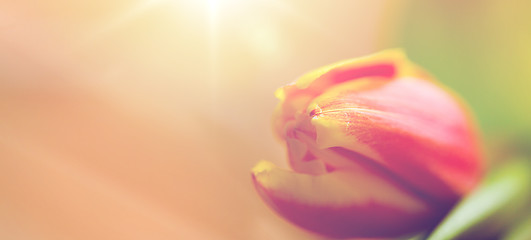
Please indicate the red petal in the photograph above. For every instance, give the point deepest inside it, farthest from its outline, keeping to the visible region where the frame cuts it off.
(409, 126)
(356, 203)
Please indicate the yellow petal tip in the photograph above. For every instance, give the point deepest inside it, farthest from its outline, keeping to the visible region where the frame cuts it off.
(262, 166)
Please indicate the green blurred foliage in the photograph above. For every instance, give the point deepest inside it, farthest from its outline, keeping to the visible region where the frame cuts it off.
(482, 50)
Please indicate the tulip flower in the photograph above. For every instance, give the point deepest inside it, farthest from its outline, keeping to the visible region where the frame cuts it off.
(377, 148)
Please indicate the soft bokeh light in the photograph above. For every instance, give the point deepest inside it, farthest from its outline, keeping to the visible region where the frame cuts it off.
(142, 119)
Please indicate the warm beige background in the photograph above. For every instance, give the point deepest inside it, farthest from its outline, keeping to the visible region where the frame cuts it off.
(141, 119)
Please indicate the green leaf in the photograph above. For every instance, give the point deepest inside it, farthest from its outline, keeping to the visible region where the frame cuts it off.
(492, 206)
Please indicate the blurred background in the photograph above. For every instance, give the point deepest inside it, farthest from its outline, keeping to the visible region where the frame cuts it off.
(140, 119)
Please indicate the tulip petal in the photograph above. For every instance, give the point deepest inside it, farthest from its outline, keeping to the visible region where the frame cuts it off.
(409, 126)
(351, 203)
(388, 64)
(302, 160)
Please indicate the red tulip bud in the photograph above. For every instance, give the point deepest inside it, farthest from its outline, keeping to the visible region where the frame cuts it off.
(377, 149)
